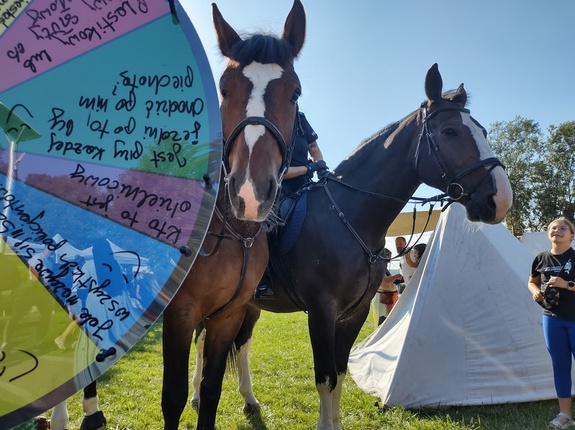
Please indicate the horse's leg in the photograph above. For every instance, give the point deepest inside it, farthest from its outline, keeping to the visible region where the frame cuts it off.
(243, 344)
(93, 417)
(177, 339)
(345, 334)
(220, 335)
(335, 401)
(321, 323)
(197, 379)
(59, 418)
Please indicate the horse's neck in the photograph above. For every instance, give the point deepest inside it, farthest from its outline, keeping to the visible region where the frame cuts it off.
(383, 165)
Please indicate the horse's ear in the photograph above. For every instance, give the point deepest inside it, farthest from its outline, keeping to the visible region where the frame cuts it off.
(227, 36)
(460, 96)
(294, 27)
(433, 84)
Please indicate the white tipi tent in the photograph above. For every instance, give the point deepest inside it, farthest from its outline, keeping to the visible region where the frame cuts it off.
(465, 331)
(536, 242)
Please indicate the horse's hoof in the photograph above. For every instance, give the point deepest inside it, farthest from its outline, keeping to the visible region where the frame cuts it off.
(96, 421)
(254, 409)
(196, 405)
(42, 423)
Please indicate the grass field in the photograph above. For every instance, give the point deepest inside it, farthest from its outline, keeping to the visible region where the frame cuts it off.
(282, 371)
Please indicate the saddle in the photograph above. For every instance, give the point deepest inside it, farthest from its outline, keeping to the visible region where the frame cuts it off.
(292, 211)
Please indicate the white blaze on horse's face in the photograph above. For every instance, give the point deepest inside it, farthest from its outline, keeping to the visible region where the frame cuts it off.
(260, 75)
(504, 196)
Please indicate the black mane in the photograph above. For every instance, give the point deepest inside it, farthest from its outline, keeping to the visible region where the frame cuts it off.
(263, 48)
(374, 140)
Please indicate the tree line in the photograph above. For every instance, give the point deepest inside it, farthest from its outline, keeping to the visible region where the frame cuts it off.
(541, 170)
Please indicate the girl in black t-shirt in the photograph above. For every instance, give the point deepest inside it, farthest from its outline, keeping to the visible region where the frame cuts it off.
(556, 269)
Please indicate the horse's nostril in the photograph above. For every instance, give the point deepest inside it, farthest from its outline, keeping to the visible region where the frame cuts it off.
(271, 194)
(232, 185)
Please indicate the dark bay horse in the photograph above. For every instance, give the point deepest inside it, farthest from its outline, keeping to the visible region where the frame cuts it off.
(259, 91)
(335, 266)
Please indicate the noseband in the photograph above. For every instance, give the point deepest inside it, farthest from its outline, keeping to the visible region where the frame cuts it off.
(454, 189)
(270, 126)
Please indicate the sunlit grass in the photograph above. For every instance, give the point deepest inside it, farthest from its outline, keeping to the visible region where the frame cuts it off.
(282, 372)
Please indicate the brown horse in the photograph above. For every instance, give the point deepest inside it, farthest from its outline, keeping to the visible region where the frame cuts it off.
(259, 91)
(335, 266)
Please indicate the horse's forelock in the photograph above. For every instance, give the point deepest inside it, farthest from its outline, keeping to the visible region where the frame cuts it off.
(263, 48)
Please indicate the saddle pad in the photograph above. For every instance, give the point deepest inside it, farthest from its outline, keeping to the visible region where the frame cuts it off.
(294, 221)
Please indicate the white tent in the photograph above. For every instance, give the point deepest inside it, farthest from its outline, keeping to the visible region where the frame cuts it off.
(465, 331)
(536, 242)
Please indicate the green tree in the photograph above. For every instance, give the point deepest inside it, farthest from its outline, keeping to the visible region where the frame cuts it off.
(556, 192)
(518, 144)
(540, 169)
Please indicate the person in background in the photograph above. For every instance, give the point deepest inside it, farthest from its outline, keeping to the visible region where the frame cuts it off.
(416, 254)
(406, 265)
(400, 245)
(409, 260)
(555, 269)
(386, 296)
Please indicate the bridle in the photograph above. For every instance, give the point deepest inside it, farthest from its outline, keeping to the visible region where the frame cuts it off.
(454, 189)
(232, 234)
(285, 150)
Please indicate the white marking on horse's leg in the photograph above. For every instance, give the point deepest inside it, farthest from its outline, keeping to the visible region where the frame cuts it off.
(197, 378)
(503, 199)
(59, 419)
(335, 401)
(245, 387)
(260, 75)
(325, 421)
(90, 406)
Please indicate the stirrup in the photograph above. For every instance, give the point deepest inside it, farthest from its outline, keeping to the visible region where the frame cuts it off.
(264, 292)
(556, 424)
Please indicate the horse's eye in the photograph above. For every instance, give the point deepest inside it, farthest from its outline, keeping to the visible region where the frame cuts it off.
(224, 94)
(295, 96)
(449, 132)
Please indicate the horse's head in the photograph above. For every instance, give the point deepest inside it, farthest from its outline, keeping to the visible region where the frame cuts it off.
(453, 154)
(259, 91)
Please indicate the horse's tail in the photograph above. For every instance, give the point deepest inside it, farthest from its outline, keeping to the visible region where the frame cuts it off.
(232, 364)
(232, 360)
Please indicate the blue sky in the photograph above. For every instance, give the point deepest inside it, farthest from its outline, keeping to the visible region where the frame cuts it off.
(364, 62)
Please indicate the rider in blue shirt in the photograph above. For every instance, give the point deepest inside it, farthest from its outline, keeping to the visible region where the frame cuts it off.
(301, 169)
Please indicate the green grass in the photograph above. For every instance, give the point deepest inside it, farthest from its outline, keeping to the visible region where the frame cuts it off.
(282, 372)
